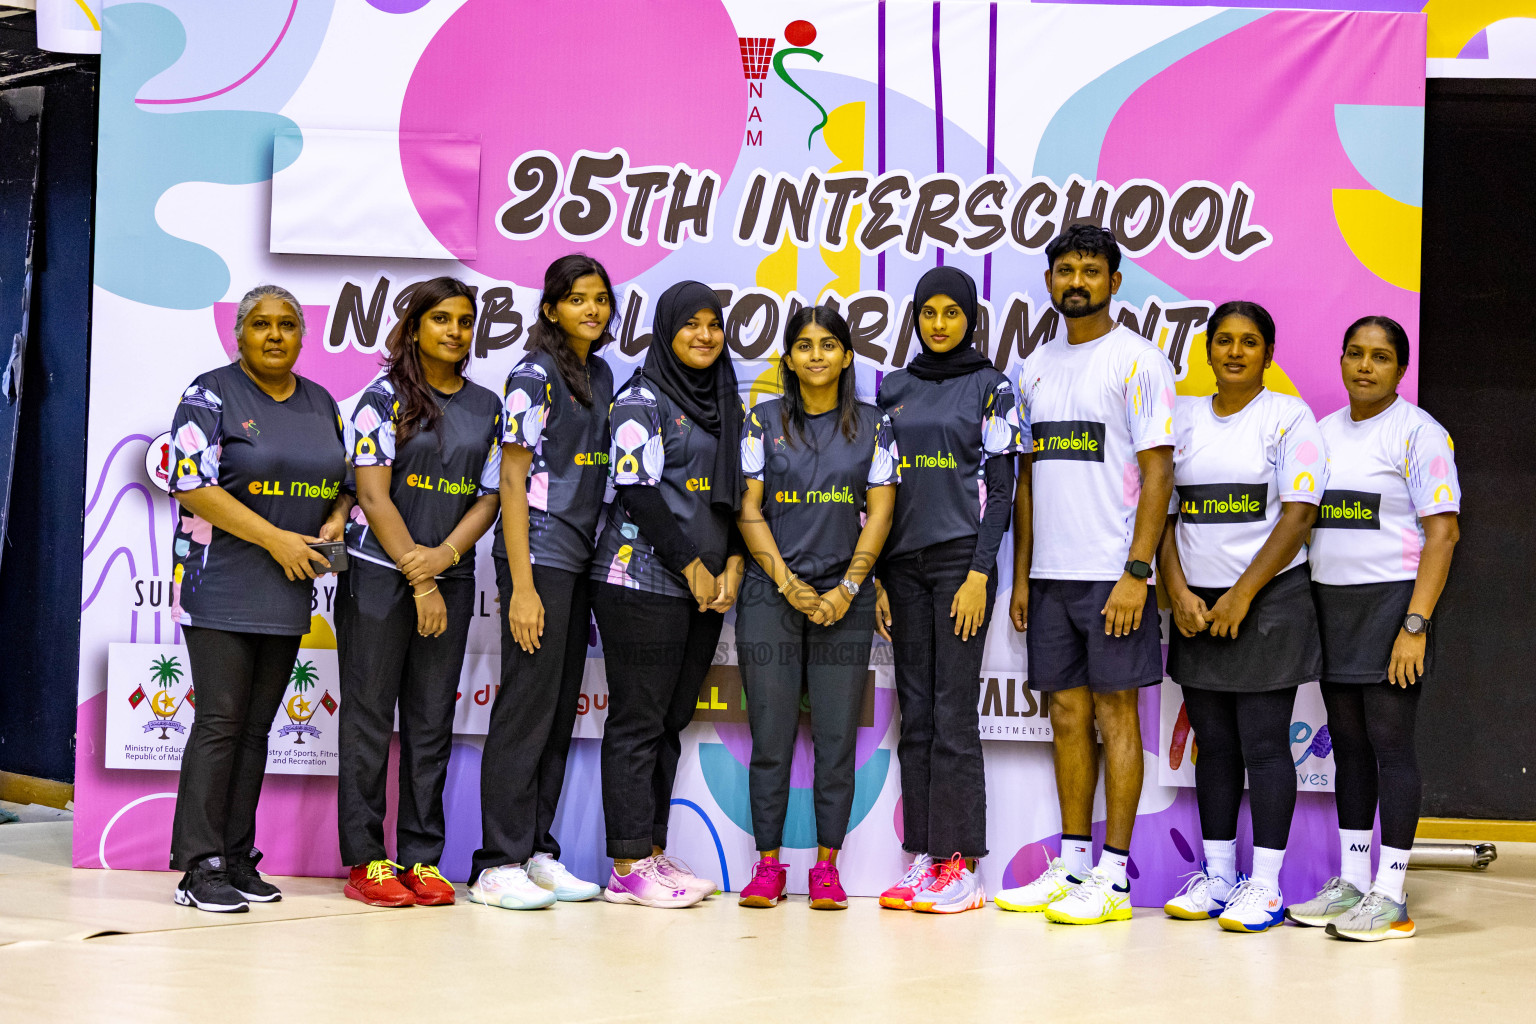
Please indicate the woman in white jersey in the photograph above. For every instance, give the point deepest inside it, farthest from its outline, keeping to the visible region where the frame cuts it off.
(1249, 468)
(1380, 554)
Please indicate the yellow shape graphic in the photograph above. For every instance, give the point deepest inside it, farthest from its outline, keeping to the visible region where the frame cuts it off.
(319, 635)
(844, 136)
(1453, 23)
(767, 384)
(1303, 482)
(164, 704)
(1383, 233)
(299, 709)
(780, 269)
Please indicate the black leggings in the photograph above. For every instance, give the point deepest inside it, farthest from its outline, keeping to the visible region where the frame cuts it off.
(1237, 731)
(1372, 727)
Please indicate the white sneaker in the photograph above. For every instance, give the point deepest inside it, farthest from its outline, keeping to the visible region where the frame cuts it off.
(508, 886)
(1252, 908)
(1052, 884)
(548, 873)
(1094, 902)
(1197, 900)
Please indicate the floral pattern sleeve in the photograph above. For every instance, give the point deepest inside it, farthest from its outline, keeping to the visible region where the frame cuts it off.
(196, 439)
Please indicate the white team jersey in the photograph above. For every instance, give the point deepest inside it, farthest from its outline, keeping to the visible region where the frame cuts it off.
(1230, 476)
(1384, 473)
(1091, 408)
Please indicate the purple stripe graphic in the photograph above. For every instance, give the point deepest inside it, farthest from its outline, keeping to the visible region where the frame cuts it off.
(986, 262)
(880, 126)
(938, 111)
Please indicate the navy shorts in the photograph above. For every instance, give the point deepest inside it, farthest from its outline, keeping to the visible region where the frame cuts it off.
(1068, 647)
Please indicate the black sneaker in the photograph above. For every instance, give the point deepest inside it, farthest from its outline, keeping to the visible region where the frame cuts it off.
(207, 887)
(248, 881)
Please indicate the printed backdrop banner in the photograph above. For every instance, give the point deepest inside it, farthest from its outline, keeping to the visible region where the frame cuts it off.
(785, 153)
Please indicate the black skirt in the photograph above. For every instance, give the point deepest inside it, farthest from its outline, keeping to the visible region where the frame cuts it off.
(1359, 625)
(1277, 643)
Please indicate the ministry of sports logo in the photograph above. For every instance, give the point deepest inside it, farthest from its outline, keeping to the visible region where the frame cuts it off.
(299, 709)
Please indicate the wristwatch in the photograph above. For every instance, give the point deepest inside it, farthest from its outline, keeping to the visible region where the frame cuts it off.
(850, 586)
(1140, 570)
(1416, 624)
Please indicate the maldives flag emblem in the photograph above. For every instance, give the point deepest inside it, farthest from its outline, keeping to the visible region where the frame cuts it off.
(191, 697)
(328, 702)
(136, 698)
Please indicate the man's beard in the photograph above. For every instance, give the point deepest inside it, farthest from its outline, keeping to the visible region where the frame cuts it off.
(1078, 312)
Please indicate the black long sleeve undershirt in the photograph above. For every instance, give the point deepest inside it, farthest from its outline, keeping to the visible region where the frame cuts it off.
(994, 523)
(648, 510)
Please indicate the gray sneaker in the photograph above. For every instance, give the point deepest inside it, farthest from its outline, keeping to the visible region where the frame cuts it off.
(1334, 899)
(1374, 918)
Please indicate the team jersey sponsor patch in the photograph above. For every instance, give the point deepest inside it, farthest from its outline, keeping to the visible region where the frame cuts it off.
(1349, 510)
(1077, 440)
(1223, 503)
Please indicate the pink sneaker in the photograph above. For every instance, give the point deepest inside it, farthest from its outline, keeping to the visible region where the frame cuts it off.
(645, 886)
(680, 874)
(899, 896)
(767, 886)
(826, 889)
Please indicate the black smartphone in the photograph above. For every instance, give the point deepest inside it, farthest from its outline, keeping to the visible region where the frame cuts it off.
(335, 551)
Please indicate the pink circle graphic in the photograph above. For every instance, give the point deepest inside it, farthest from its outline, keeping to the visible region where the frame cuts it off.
(1438, 467)
(1306, 454)
(525, 76)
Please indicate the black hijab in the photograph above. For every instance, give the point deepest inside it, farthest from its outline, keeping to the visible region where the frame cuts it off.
(963, 358)
(709, 397)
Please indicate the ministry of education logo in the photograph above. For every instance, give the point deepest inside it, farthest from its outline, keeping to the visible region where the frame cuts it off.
(164, 675)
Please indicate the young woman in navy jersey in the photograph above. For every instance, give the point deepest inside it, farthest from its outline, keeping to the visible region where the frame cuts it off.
(667, 568)
(259, 465)
(1381, 552)
(554, 466)
(956, 421)
(420, 441)
(820, 470)
(1249, 470)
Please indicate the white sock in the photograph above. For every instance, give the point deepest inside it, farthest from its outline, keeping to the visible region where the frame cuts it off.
(1355, 857)
(1077, 855)
(1266, 866)
(1391, 875)
(1221, 861)
(1112, 862)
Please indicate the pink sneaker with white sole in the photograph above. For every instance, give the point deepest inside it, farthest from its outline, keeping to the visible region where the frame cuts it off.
(646, 886)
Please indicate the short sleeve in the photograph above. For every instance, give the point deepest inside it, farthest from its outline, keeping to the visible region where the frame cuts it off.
(1003, 422)
(1149, 398)
(752, 447)
(1429, 467)
(490, 471)
(370, 434)
(196, 439)
(885, 466)
(1301, 457)
(525, 410)
(638, 452)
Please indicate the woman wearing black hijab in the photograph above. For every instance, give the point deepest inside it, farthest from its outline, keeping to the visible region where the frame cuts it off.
(666, 569)
(956, 423)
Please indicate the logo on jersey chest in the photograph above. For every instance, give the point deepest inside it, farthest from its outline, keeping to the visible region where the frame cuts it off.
(591, 458)
(837, 494)
(1077, 440)
(1223, 503)
(439, 485)
(294, 489)
(697, 483)
(1349, 510)
(938, 460)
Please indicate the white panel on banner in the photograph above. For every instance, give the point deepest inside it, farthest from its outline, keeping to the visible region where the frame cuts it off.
(151, 702)
(68, 26)
(343, 193)
(1311, 747)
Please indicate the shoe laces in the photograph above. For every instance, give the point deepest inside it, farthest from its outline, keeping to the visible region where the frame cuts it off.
(1196, 879)
(1334, 888)
(381, 870)
(1056, 870)
(426, 871)
(949, 873)
(921, 868)
(766, 871)
(828, 873)
(1372, 904)
(650, 868)
(670, 865)
(548, 863)
(1247, 893)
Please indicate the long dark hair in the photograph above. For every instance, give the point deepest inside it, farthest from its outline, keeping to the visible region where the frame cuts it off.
(418, 406)
(546, 336)
(832, 322)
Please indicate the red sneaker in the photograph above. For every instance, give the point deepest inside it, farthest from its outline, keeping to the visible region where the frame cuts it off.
(429, 886)
(922, 872)
(767, 886)
(375, 884)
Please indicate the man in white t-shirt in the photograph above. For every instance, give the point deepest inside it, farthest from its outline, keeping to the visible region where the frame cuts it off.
(1089, 509)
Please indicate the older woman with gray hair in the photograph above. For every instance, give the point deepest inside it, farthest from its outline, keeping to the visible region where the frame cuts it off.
(259, 467)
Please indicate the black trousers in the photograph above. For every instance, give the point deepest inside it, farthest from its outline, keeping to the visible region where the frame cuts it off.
(239, 679)
(943, 776)
(1372, 726)
(523, 767)
(385, 662)
(782, 653)
(657, 651)
(1238, 731)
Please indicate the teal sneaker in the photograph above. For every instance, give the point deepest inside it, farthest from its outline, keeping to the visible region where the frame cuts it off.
(1374, 918)
(1332, 900)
